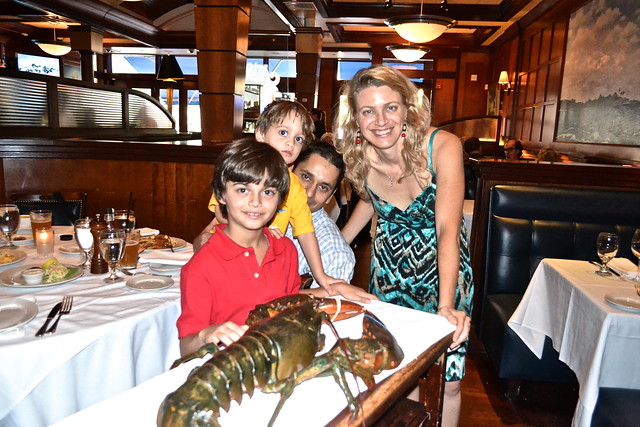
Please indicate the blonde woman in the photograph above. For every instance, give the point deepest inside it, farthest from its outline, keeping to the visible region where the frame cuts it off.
(394, 158)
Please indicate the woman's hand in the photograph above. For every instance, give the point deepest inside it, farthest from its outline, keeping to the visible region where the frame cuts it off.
(460, 320)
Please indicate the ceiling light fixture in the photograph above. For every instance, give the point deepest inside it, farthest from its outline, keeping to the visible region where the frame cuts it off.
(408, 53)
(54, 47)
(169, 70)
(420, 28)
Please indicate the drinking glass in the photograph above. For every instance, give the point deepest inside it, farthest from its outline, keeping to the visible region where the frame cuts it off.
(125, 219)
(607, 245)
(635, 248)
(9, 221)
(112, 249)
(84, 238)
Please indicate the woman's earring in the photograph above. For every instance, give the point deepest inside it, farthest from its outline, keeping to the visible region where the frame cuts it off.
(358, 140)
(404, 130)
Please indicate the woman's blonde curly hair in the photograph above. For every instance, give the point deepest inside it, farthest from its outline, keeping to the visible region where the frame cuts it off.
(418, 121)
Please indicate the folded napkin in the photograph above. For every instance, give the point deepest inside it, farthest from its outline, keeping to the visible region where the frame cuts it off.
(167, 257)
(146, 231)
(624, 267)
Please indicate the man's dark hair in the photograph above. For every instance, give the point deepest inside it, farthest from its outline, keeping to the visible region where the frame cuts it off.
(327, 152)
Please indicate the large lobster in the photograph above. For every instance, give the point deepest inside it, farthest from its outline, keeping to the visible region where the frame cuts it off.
(276, 354)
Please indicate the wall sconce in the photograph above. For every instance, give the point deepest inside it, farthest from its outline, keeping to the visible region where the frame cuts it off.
(504, 83)
(169, 70)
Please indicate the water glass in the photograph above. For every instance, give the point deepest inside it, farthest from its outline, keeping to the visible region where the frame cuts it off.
(9, 221)
(125, 219)
(112, 249)
(607, 245)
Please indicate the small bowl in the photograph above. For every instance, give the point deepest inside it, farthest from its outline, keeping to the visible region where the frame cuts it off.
(33, 276)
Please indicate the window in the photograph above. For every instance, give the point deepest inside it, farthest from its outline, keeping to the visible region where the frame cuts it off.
(39, 64)
(347, 69)
(133, 64)
(284, 67)
(188, 64)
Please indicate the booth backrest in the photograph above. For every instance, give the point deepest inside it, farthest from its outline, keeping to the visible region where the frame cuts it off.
(527, 224)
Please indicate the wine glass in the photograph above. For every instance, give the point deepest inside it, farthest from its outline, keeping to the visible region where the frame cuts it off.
(635, 248)
(84, 238)
(112, 249)
(607, 245)
(9, 222)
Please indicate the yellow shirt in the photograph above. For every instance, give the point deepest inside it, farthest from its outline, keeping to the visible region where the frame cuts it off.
(293, 210)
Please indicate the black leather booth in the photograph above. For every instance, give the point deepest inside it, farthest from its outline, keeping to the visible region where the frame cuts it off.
(525, 225)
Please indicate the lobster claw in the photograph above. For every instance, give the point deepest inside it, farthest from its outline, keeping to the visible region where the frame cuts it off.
(338, 309)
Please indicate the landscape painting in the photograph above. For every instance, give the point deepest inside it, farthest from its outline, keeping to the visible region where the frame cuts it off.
(600, 97)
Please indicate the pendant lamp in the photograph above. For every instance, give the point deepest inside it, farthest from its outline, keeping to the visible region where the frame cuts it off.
(54, 47)
(420, 28)
(408, 53)
(169, 70)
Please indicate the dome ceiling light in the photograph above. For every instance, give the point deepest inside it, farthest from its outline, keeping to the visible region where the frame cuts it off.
(420, 28)
(408, 53)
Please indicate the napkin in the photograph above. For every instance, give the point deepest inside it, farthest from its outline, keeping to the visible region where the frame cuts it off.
(624, 267)
(146, 231)
(166, 257)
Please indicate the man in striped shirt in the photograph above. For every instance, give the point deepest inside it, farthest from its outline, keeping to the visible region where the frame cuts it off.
(321, 169)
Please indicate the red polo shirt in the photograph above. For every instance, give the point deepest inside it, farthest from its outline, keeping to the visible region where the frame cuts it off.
(223, 281)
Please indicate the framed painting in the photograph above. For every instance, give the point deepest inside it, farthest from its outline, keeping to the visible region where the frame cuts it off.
(600, 96)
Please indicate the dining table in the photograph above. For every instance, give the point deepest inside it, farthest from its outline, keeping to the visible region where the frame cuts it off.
(592, 320)
(116, 336)
(316, 402)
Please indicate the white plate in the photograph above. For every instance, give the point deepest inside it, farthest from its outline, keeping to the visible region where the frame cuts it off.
(71, 250)
(16, 312)
(22, 239)
(18, 256)
(12, 278)
(623, 302)
(149, 283)
(177, 243)
(164, 268)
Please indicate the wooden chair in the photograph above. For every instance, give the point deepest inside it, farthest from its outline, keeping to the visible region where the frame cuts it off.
(66, 207)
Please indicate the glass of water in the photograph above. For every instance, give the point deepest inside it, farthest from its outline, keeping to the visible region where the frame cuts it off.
(112, 249)
(607, 245)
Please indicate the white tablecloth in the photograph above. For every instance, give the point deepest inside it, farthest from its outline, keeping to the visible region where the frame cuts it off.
(113, 339)
(600, 343)
(313, 403)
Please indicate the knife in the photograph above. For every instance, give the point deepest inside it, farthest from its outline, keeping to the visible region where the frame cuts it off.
(56, 308)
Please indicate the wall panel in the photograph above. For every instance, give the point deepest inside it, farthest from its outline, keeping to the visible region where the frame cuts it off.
(171, 197)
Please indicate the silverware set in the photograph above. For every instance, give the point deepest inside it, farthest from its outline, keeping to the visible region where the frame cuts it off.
(58, 310)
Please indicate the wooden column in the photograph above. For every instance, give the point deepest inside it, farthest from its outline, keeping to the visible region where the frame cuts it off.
(308, 48)
(88, 41)
(222, 40)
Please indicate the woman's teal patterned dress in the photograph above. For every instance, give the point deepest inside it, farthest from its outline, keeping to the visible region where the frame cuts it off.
(404, 266)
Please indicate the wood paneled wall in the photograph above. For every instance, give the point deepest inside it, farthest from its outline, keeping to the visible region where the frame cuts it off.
(535, 56)
(171, 197)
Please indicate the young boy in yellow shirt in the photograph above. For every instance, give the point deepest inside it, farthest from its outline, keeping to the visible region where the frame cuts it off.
(287, 126)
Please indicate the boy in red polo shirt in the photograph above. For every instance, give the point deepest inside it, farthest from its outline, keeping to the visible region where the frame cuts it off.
(242, 264)
(287, 126)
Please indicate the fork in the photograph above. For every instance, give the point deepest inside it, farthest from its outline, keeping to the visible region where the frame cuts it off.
(67, 302)
(129, 273)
